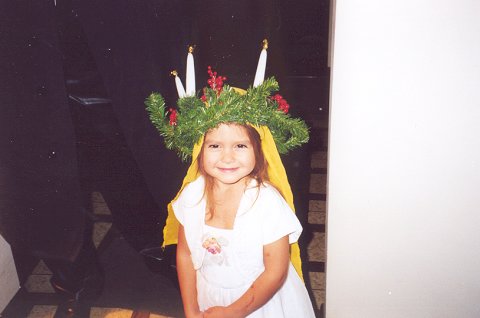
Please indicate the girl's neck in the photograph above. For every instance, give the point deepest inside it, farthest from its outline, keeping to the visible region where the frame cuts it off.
(226, 200)
(222, 189)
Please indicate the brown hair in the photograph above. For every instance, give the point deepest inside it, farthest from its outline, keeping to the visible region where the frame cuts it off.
(259, 172)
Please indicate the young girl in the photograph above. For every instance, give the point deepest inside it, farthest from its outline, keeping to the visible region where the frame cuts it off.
(233, 219)
(233, 244)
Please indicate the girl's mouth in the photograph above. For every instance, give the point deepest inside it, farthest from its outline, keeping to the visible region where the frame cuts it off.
(227, 170)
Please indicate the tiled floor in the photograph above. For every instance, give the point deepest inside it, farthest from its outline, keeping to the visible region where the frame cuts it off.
(37, 299)
(317, 211)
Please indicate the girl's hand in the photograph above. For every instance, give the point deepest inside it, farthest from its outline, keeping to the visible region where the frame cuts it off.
(220, 312)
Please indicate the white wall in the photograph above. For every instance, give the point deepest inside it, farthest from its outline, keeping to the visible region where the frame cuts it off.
(403, 236)
(9, 284)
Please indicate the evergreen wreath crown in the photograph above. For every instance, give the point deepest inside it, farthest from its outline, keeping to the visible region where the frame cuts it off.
(183, 128)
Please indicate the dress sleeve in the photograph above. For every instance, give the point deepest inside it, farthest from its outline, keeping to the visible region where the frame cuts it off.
(188, 198)
(278, 219)
(177, 209)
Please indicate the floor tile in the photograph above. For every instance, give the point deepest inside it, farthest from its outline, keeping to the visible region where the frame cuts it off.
(316, 248)
(41, 269)
(42, 311)
(319, 297)
(319, 160)
(159, 316)
(100, 229)
(99, 205)
(316, 218)
(318, 183)
(317, 280)
(96, 312)
(317, 206)
(39, 284)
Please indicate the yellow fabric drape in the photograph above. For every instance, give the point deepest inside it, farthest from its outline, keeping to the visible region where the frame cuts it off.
(276, 174)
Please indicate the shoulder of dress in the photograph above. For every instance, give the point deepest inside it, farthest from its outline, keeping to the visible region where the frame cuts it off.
(192, 192)
(266, 189)
(194, 186)
(264, 195)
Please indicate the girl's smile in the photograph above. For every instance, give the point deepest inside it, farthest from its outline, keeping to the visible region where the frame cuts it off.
(227, 169)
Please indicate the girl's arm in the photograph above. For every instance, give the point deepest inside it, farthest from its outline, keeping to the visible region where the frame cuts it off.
(187, 277)
(276, 257)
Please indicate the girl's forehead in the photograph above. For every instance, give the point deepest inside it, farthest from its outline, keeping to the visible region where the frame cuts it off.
(227, 131)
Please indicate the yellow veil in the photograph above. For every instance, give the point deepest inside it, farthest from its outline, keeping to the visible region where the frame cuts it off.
(276, 174)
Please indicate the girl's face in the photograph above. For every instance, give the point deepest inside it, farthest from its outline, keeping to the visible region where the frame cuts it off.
(228, 154)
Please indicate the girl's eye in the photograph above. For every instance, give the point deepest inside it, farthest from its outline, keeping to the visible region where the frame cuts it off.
(214, 146)
(241, 146)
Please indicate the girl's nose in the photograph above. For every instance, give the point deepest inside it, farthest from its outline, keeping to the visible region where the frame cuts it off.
(228, 156)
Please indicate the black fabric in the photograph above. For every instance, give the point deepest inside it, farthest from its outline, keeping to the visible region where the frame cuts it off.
(40, 195)
(134, 49)
(229, 38)
(42, 210)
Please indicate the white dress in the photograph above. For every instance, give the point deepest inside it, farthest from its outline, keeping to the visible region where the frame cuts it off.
(227, 262)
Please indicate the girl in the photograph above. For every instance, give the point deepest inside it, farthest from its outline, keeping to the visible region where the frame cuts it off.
(233, 242)
(233, 219)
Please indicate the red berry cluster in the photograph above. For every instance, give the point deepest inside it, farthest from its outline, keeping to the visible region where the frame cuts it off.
(282, 103)
(173, 117)
(215, 82)
(203, 98)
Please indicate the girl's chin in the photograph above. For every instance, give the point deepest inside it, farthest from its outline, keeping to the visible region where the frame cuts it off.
(232, 180)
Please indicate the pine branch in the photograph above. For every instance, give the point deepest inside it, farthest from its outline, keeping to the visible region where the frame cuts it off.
(195, 117)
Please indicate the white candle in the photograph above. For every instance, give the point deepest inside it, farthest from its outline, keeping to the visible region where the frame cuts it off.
(190, 73)
(178, 84)
(262, 62)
